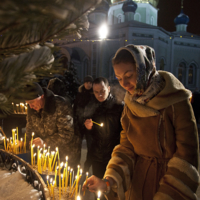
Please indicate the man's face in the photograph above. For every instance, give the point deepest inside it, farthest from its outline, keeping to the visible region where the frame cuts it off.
(101, 91)
(88, 85)
(37, 103)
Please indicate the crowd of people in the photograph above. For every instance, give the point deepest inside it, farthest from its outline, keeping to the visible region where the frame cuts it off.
(145, 148)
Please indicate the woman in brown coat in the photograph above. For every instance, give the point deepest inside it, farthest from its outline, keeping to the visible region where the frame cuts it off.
(157, 158)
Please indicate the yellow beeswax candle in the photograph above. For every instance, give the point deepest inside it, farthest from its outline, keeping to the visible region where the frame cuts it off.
(86, 182)
(99, 195)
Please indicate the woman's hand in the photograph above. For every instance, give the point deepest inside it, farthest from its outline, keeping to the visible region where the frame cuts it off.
(88, 124)
(38, 142)
(94, 184)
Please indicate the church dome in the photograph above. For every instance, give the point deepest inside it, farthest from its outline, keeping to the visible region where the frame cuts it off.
(181, 18)
(129, 6)
(103, 7)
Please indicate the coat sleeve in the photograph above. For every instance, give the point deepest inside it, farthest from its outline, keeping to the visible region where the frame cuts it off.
(182, 178)
(121, 164)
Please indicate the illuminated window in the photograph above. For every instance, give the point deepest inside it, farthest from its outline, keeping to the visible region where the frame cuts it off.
(191, 75)
(181, 72)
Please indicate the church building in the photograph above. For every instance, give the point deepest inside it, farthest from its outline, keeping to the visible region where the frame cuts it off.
(135, 22)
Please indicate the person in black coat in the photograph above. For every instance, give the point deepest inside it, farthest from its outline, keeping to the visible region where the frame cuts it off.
(85, 93)
(196, 104)
(103, 109)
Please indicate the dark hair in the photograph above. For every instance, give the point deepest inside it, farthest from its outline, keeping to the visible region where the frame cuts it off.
(123, 56)
(101, 79)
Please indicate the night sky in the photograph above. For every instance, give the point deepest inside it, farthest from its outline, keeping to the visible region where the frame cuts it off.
(170, 9)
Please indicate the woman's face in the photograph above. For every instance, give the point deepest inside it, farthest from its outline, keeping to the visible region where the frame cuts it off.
(126, 75)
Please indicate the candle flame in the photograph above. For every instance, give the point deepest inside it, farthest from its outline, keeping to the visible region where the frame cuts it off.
(47, 177)
(78, 166)
(99, 194)
(61, 164)
(61, 175)
(38, 147)
(87, 173)
(101, 124)
(33, 145)
(81, 171)
(44, 145)
(51, 180)
(33, 133)
(71, 169)
(34, 154)
(3, 138)
(21, 139)
(56, 148)
(68, 168)
(66, 158)
(78, 198)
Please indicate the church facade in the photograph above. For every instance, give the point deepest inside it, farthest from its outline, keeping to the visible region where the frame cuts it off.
(135, 22)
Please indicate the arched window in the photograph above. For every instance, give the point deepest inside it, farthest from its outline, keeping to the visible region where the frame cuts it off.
(119, 19)
(137, 17)
(181, 72)
(191, 75)
(162, 64)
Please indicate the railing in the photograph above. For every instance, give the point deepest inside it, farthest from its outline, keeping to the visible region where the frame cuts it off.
(14, 163)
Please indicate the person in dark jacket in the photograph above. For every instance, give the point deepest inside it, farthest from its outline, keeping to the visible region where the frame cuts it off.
(85, 92)
(196, 104)
(103, 109)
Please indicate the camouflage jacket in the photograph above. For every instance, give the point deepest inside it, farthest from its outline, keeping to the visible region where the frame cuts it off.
(54, 125)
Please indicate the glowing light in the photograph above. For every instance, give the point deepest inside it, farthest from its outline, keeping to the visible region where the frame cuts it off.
(103, 31)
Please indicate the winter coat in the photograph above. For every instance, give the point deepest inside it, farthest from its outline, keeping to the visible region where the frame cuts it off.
(82, 99)
(104, 138)
(54, 125)
(157, 158)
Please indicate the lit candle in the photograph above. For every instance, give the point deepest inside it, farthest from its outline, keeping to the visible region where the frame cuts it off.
(66, 171)
(7, 143)
(86, 182)
(51, 181)
(78, 198)
(77, 180)
(99, 195)
(25, 107)
(98, 123)
(48, 185)
(17, 105)
(70, 179)
(58, 153)
(33, 135)
(54, 160)
(53, 189)
(55, 184)
(59, 178)
(34, 158)
(32, 152)
(67, 177)
(62, 177)
(13, 107)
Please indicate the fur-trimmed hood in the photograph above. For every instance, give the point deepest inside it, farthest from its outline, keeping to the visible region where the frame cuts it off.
(172, 93)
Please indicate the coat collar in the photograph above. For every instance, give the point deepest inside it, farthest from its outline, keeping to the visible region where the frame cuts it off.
(172, 93)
